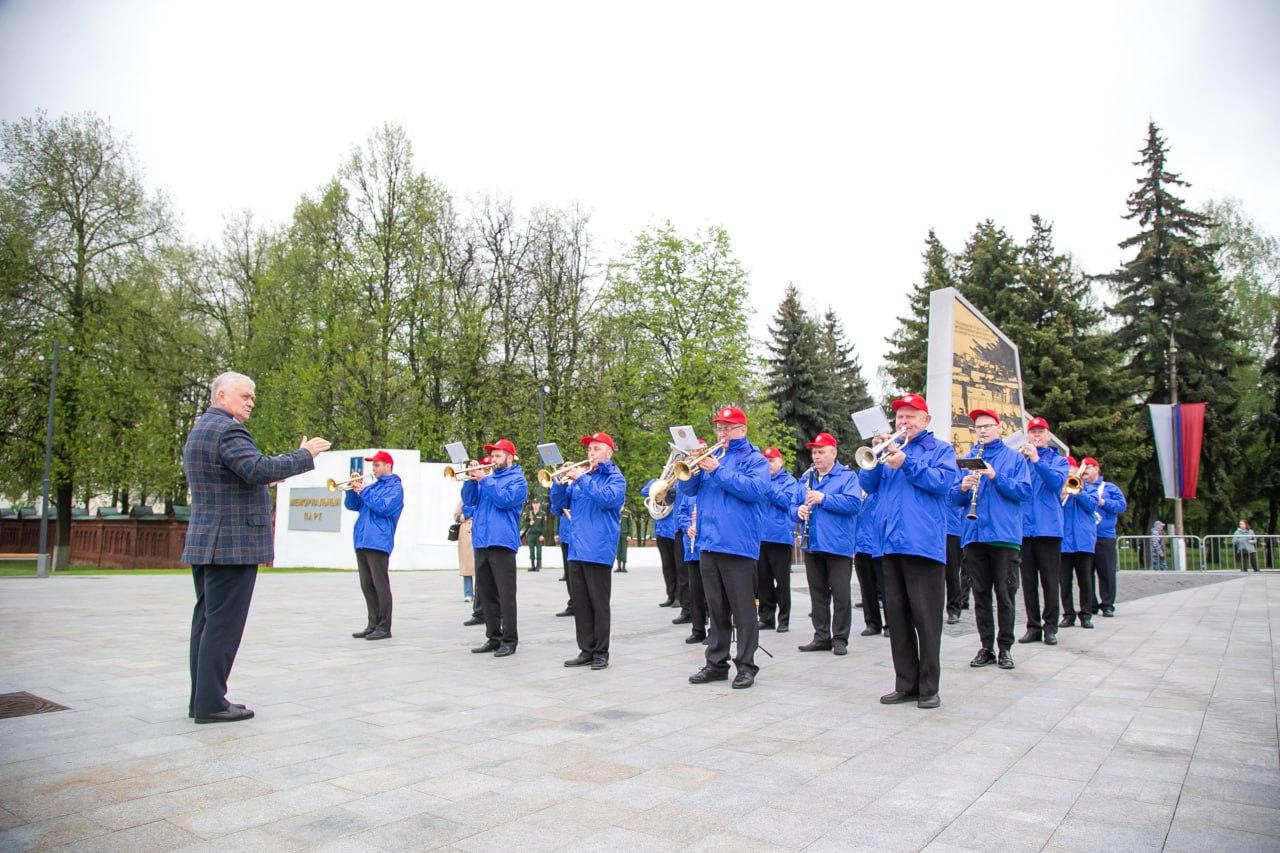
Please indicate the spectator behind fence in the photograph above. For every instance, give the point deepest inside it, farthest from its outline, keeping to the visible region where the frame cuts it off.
(1158, 561)
(1246, 545)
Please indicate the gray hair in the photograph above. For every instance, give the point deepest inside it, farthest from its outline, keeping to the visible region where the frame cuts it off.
(226, 380)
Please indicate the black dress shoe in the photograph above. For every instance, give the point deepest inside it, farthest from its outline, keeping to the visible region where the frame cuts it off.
(599, 662)
(953, 618)
(234, 714)
(897, 697)
(1108, 613)
(816, 646)
(766, 625)
(869, 631)
(1005, 661)
(743, 679)
(361, 634)
(695, 638)
(928, 702)
(857, 604)
(504, 651)
(474, 620)
(582, 659)
(1086, 621)
(192, 714)
(1067, 622)
(708, 674)
(885, 632)
(783, 628)
(568, 611)
(1050, 639)
(668, 602)
(682, 619)
(1031, 636)
(839, 647)
(984, 657)
(489, 646)
(379, 635)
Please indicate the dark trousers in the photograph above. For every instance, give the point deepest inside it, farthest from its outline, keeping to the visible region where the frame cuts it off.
(914, 592)
(667, 553)
(992, 569)
(1245, 559)
(1103, 590)
(729, 582)
(683, 577)
(496, 587)
(1041, 567)
(564, 561)
(830, 596)
(376, 586)
(535, 551)
(590, 587)
(223, 594)
(773, 575)
(957, 580)
(697, 599)
(871, 587)
(1077, 565)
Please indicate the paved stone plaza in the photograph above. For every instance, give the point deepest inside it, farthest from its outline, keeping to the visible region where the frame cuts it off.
(1156, 730)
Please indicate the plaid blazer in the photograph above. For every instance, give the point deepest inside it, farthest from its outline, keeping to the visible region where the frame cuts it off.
(230, 507)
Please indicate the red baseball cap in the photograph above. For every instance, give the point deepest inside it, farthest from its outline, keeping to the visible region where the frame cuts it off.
(502, 444)
(486, 461)
(1089, 460)
(1037, 423)
(1071, 461)
(730, 415)
(915, 401)
(976, 413)
(381, 456)
(822, 439)
(602, 437)
(772, 453)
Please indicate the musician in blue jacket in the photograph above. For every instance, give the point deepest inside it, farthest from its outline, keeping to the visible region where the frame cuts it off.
(379, 505)
(595, 497)
(773, 570)
(732, 484)
(564, 535)
(494, 498)
(664, 535)
(1042, 534)
(687, 537)
(912, 485)
(1111, 505)
(957, 580)
(1079, 538)
(867, 554)
(827, 504)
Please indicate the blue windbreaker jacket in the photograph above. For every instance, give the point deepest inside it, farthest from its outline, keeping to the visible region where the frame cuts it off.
(956, 518)
(833, 524)
(778, 524)
(867, 538)
(1042, 515)
(663, 528)
(912, 502)
(564, 522)
(379, 507)
(999, 500)
(595, 499)
(684, 506)
(1113, 505)
(731, 501)
(495, 503)
(1080, 528)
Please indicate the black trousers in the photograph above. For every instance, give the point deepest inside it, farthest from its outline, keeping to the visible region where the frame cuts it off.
(1077, 565)
(697, 599)
(1041, 570)
(683, 577)
(590, 587)
(729, 582)
(992, 569)
(914, 592)
(564, 561)
(957, 580)
(223, 594)
(773, 576)
(871, 587)
(376, 586)
(496, 587)
(667, 553)
(830, 599)
(1103, 591)
(1245, 559)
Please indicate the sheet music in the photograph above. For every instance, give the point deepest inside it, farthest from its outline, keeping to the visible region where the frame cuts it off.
(457, 453)
(684, 438)
(550, 454)
(871, 422)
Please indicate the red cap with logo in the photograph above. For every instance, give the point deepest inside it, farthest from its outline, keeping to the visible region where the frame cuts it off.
(1089, 460)
(915, 401)
(502, 444)
(381, 456)
(1037, 423)
(977, 413)
(602, 437)
(772, 453)
(730, 415)
(822, 439)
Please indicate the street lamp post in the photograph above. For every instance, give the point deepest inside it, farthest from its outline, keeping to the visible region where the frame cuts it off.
(543, 391)
(42, 559)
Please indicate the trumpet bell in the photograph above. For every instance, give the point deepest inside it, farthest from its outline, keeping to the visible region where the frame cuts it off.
(545, 478)
(866, 458)
(331, 484)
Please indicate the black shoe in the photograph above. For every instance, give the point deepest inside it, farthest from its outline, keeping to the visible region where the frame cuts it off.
(564, 579)
(1050, 639)
(885, 632)
(620, 569)
(928, 702)
(474, 620)
(839, 647)
(783, 628)
(984, 657)
(599, 662)
(816, 646)
(869, 631)
(1033, 635)
(504, 651)
(191, 714)
(379, 635)
(767, 625)
(1108, 613)
(857, 604)
(234, 714)
(695, 638)
(708, 674)
(1086, 621)
(952, 619)
(1067, 622)
(362, 634)
(568, 611)
(743, 679)
(534, 569)
(681, 620)
(489, 646)
(582, 659)
(1005, 661)
(897, 697)
(668, 602)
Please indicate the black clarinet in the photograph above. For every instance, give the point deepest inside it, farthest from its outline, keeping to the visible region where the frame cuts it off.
(973, 497)
(804, 537)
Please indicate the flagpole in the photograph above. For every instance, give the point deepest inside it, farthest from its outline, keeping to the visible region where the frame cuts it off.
(1173, 395)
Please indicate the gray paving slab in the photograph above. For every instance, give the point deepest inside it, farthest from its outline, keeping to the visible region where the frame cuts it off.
(1158, 729)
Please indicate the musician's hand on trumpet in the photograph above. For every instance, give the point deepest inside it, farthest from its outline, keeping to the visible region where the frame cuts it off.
(315, 446)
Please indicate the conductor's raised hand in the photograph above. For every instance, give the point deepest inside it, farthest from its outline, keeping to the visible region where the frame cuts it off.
(315, 446)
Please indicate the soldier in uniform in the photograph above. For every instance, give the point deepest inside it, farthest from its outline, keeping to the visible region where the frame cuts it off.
(624, 533)
(535, 530)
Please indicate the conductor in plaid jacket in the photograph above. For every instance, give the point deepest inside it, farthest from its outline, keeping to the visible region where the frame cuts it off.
(229, 535)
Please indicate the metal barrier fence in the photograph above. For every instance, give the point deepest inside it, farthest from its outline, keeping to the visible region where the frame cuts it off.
(1194, 553)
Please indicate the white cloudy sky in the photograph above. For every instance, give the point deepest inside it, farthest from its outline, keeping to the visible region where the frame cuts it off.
(827, 138)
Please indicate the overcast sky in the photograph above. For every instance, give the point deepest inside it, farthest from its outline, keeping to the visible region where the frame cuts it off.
(826, 138)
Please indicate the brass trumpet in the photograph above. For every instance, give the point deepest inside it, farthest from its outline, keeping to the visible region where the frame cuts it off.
(465, 473)
(684, 468)
(548, 476)
(869, 457)
(1073, 485)
(349, 483)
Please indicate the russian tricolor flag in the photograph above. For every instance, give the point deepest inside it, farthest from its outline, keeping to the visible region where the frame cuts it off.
(1179, 433)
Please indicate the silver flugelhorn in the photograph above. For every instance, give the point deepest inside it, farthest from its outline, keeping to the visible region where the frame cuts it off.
(869, 457)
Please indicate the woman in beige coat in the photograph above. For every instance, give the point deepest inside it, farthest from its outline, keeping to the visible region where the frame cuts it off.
(466, 557)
